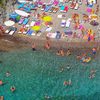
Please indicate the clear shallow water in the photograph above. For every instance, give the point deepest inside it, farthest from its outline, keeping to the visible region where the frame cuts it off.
(36, 74)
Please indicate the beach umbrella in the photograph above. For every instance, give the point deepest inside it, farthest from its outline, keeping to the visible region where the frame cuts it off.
(9, 23)
(36, 28)
(47, 19)
(22, 13)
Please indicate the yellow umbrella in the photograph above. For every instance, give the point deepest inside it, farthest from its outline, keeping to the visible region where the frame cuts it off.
(36, 28)
(47, 18)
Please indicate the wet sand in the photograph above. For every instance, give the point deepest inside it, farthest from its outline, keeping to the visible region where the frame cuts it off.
(9, 43)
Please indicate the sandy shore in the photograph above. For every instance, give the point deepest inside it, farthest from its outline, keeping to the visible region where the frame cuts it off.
(9, 43)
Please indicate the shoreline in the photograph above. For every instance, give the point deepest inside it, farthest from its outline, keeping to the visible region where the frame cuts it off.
(9, 43)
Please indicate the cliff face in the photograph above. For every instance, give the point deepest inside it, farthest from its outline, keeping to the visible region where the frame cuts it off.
(5, 5)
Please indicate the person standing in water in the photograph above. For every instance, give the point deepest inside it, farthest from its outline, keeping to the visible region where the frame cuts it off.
(33, 47)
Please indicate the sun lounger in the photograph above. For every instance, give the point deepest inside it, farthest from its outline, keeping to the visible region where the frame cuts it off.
(32, 23)
(47, 8)
(21, 21)
(25, 21)
(58, 35)
(48, 29)
(20, 5)
(68, 22)
(8, 30)
(59, 16)
(51, 35)
(29, 32)
(12, 31)
(63, 23)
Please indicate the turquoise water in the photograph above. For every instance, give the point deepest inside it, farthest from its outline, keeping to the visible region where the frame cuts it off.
(37, 74)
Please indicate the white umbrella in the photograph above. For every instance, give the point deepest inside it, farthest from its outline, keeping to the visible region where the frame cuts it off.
(9, 23)
(22, 13)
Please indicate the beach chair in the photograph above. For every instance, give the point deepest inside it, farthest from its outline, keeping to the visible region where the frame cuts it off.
(51, 35)
(25, 21)
(63, 23)
(13, 31)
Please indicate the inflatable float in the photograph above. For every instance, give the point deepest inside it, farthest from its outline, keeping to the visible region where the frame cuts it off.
(87, 60)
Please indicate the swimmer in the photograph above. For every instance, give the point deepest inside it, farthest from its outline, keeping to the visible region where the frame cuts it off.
(65, 83)
(62, 52)
(1, 83)
(94, 51)
(8, 74)
(62, 69)
(58, 53)
(0, 61)
(68, 52)
(92, 76)
(12, 88)
(93, 71)
(70, 82)
(33, 47)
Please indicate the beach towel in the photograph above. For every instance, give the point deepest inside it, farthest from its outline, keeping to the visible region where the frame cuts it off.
(63, 23)
(51, 35)
(62, 8)
(68, 22)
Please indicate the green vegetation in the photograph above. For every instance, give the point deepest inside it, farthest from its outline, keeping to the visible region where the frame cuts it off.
(2, 4)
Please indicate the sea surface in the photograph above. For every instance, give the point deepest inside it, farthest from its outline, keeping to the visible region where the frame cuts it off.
(38, 75)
